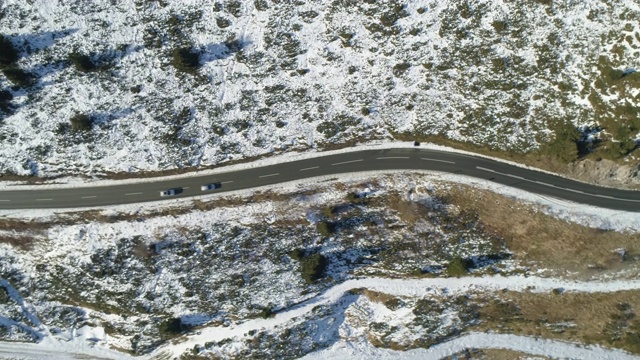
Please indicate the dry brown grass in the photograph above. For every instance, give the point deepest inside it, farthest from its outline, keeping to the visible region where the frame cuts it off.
(541, 239)
(378, 297)
(21, 242)
(495, 354)
(22, 234)
(591, 316)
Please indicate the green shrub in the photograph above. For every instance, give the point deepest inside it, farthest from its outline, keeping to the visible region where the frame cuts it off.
(261, 5)
(223, 23)
(234, 8)
(616, 149)
(18, 77)
(400, 69)
(499, 26)
(458, 267)
(5, 101)
(296, 254)
(186, 59)
(557, 291)
(81, 122)
(83, 62)
(325, 228)
(172, 328)
(8, 53)
(356, 199)
(564, 145)
(313, 267)
(266, 313)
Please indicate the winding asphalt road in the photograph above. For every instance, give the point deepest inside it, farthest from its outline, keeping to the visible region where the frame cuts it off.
(367, 160)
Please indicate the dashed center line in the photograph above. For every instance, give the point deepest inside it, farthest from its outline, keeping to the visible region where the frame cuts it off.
(135, 193)
(347, 162)
(5, 200)
(44, 199)
(88, 197)
(310, 168)
(263, 176)
(227, 182)
(556, 187)
(392, 157)
(438, 160)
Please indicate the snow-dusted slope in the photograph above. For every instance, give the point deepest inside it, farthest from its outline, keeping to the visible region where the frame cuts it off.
(282, 75)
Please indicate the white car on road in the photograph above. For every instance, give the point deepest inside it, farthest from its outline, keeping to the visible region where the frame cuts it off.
(169, 192)
(211, 186)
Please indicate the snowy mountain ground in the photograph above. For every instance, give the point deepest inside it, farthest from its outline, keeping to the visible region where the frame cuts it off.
(131, 86)
(137, 280)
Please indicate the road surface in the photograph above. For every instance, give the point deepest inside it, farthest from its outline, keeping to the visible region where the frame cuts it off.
(367, 160)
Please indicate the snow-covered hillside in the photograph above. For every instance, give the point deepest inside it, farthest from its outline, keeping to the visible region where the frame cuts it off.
(112, 86)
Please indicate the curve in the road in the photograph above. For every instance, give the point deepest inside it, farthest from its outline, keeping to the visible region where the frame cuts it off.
(366, 160)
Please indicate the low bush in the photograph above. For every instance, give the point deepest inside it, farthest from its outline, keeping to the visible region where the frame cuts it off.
(81, 122)
(325, 228)
(356, 199)
(18, 77)
(172, 328)
(400, 69)
(8, 52)
(185, 59)
(313, 267)
(261, 5)
(266, 313)
(5, 101)
(223, 23)
(564, 146)
(296, 254)
(458, 267)
(83, 62)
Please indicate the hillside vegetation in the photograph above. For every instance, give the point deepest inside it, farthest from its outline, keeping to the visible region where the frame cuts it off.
(180, 84)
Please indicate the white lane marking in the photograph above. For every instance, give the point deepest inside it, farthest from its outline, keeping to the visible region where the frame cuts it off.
(227, 182)
(546, 184)
(347, 162)
(5, 200)
(186, 187)
(438, 160)
(392, 157)
(262, 176)
(485, 169)
(577, 191)
(136, 193)
(516, 177)
(310, 168)
(88, 197)
(557, 187)
(604, 196)
(44, 199)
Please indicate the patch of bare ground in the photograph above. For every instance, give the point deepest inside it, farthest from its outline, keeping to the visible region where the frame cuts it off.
(21, 234)
(540, 240)
(606, 173)
(493, 354)
(379, 297)
(606, 319)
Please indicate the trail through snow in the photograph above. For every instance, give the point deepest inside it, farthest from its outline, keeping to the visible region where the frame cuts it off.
(50, 348)
(532, 346)
(400, 287)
